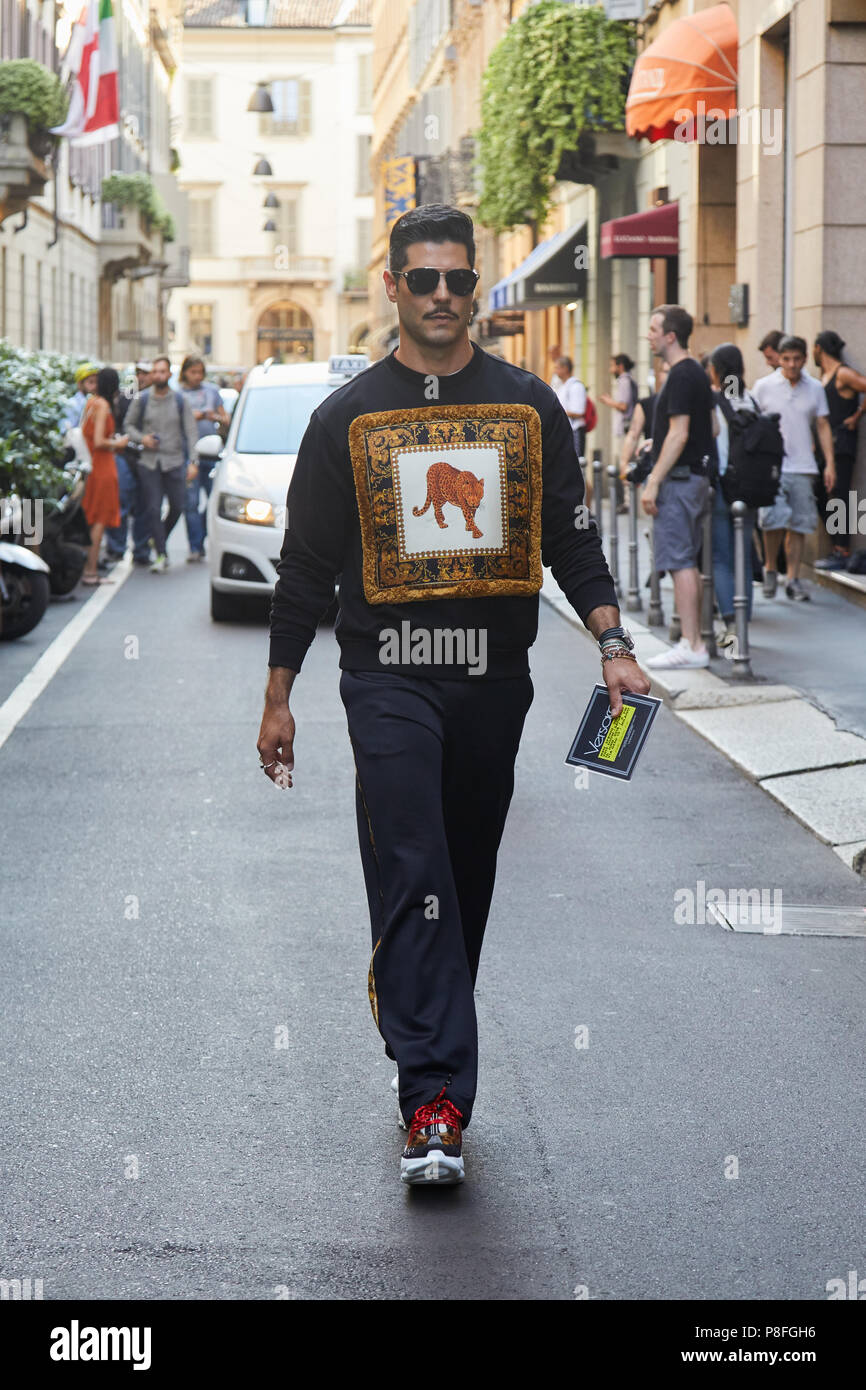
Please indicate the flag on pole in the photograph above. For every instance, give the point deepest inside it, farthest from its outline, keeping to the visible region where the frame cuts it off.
(92, 58)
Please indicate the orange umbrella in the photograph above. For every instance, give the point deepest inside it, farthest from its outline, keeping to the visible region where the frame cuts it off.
(689, 69)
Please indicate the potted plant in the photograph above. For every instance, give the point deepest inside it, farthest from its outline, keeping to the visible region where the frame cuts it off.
(29, 89)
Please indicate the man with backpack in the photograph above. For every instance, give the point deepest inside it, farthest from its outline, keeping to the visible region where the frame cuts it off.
(799, 400)
(162, 422)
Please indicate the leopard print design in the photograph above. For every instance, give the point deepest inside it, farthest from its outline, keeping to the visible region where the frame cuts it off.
(457, 486)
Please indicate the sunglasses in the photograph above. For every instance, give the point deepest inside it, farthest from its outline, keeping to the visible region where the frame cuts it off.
(425, 279)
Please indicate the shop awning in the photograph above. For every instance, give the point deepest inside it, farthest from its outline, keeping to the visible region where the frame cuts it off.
(651, 233)
(553, 273)
(689, 70)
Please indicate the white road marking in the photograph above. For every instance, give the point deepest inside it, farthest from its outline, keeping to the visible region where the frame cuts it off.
(28, 690)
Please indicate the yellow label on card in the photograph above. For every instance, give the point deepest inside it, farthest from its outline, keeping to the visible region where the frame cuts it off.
(616, 733)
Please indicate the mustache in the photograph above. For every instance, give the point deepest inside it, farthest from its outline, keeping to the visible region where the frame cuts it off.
(438, 313)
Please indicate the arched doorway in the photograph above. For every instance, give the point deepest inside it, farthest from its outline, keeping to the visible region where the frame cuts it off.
(285, 332)
(358, 338)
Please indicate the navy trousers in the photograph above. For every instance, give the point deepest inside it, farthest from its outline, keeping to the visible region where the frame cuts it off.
(435, 773)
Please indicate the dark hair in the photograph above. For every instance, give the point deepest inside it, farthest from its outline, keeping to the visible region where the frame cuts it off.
(793, 344)
(107, 384)
(429, 222)
(676, 320)
(191, 361)
(161, 358)
(568, 362)
(623, 360)
(728, 362)
(771, 340)
(830, 342)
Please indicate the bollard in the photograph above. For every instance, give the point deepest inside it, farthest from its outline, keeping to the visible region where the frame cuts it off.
(655, 614)
(633, 601)
(613, 548)
(708, 601)
(598, 490)
(741, 668)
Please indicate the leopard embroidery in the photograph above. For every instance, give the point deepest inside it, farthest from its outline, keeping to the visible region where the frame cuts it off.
(457, 486)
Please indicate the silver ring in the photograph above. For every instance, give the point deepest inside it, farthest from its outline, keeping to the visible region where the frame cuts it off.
(265, 766)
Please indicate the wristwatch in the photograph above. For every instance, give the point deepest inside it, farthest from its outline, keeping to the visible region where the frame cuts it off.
(616, 635)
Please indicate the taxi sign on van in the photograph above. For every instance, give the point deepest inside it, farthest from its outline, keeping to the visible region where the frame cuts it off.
(348, 364)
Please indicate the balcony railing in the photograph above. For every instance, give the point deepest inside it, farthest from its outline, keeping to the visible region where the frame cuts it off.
(282, 266)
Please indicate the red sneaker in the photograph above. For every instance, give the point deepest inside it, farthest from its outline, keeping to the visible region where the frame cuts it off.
(434, 1149)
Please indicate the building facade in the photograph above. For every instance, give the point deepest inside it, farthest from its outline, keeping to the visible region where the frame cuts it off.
(78, 275)
(280, 202)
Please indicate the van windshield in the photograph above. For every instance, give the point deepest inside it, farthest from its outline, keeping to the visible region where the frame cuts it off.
(274, 418)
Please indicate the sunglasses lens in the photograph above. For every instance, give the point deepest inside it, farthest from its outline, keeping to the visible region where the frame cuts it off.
(460, 282)
(422, 281)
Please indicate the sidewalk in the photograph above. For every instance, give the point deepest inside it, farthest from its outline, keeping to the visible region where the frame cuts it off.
(799, 728)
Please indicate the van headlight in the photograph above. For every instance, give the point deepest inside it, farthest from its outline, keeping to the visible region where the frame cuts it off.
(253, 510)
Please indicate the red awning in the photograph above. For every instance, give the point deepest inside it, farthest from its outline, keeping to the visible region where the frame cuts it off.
(652, 233)
(689, 70)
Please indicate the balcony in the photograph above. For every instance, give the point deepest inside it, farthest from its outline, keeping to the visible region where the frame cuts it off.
(127, 241)
(282, 268)
(23, 173)
(355, 283)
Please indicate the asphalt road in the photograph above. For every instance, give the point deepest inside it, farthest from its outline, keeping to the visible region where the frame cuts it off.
(169, 919)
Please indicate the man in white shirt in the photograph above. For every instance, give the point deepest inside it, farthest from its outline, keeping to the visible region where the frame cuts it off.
(572, 398)
(799, 400)
(554, 353)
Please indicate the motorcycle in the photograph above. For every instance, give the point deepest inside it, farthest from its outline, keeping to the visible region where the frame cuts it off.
(25, 586)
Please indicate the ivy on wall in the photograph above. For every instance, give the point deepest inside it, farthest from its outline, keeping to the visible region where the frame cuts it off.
(560, 71)
(137, 190)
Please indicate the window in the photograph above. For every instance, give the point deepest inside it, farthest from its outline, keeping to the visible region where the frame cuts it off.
(365, 177)
(199, 107)
(275, 417)
(201, 238)
(201, 328)
(364, 242)
(365, 82)
(292, 114)
(286, 217)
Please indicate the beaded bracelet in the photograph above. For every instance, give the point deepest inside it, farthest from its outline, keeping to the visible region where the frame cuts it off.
(616, 654)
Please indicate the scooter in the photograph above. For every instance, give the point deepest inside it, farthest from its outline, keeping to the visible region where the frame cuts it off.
(24, 577)
(65, 533)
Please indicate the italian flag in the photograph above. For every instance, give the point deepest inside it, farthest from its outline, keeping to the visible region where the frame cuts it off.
(92, 58)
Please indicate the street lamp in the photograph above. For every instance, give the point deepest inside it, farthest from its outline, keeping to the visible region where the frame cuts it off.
(272, 201)
(262, 169)
(270, 225)
(260, 100)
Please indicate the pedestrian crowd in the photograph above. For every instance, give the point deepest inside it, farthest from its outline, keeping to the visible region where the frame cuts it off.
(785, 446)
(140, 446)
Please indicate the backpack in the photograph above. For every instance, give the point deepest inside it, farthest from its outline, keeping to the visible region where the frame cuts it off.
(755, 452)
(590, 419)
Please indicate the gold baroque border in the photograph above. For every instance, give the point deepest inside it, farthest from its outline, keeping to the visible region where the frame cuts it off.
(467, 588)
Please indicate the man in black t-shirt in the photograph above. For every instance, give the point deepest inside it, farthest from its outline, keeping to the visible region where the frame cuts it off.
(676, 491)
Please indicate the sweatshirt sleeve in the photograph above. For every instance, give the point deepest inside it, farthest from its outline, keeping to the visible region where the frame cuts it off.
(570, 543)
(320, 508)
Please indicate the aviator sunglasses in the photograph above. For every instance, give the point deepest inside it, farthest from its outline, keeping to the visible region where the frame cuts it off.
(424, 279)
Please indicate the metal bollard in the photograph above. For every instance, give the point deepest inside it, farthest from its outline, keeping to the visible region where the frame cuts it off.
(613, 548)
(633, 602)
(598, 490)
(707, 594)
(741, 668)
(655, 614)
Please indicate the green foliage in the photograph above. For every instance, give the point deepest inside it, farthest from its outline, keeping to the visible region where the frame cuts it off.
(137, 190)
(34, 390)
(559, 71)
(34, 90)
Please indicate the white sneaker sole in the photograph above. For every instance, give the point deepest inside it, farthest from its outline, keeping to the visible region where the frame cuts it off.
(436, 1168)
(395, 1087)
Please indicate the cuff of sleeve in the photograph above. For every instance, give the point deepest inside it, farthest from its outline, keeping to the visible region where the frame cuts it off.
(286, 651)
(599, 594)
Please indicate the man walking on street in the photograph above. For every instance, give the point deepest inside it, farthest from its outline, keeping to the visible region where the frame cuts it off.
(799, 401)
(572, 397)
(677, 490)
(161, 421)
(434, 483)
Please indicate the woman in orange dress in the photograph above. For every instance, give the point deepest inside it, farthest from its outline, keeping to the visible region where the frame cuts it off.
(101, 502)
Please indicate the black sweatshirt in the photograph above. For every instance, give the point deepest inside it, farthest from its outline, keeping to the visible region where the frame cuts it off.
(323, 531)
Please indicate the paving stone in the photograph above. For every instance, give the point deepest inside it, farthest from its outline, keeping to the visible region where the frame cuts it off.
(780, 737)
(831, 801)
